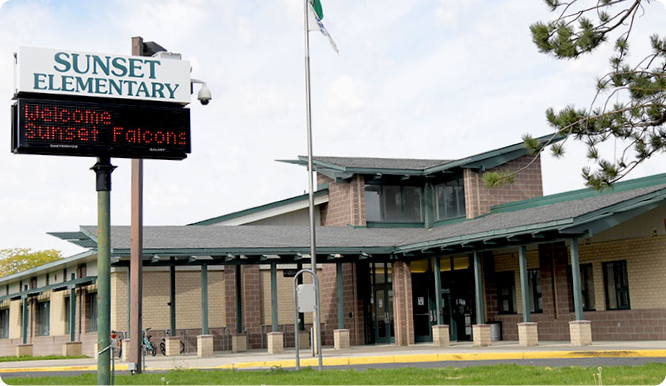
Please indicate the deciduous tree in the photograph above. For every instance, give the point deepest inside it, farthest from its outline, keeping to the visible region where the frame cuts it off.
(17, 260)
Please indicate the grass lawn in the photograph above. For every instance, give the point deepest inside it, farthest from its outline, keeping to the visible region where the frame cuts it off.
(31, 358)
(650, 374)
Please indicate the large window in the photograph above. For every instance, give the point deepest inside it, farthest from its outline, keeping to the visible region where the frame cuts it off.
(392, 203)
(534, 283)
(586, 287)
(616, 285)
(449, 200)
(91, 301)
(43, 318)
(4, 323)
(506, 292)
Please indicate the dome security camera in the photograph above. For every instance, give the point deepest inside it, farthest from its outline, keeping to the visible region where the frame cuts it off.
(204, 96)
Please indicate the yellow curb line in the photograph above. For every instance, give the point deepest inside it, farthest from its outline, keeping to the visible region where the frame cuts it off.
(408, 358)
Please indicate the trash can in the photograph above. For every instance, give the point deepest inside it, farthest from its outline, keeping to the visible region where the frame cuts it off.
(495, 331)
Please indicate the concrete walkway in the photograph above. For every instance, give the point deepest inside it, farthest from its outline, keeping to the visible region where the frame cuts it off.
(363, 355)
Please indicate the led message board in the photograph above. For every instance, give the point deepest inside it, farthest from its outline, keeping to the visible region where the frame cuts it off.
(90, 129)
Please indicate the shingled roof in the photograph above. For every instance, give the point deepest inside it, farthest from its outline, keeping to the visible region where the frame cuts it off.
(536, 220)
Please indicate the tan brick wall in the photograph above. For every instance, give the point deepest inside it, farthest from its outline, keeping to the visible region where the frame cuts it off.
(156, 312)
(527, 184)
(57, 317)
(119, 301)
(646, 269)
(285, 286)
(15, 319)
(509, 262)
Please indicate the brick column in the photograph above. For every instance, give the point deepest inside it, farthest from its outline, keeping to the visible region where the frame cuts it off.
(481, 334)
(581, 332)
(440, 335)
(403, 313)
(528, 334)
(251, 287)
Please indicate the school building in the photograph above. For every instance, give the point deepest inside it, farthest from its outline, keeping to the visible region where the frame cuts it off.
(408, 251)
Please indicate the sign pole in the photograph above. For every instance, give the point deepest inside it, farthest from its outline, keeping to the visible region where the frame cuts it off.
(103, 170)
(136, 248)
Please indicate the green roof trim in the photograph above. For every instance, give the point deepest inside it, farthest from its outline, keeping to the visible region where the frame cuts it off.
(57, 286)
(579, 194)
(493, 158)
(272, 205)
(481, 161)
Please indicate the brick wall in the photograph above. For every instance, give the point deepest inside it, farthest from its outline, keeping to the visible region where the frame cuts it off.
(58, 313)
(403, 312)
(15, 319)
(346, 206)
(527, 184)
(646, 264)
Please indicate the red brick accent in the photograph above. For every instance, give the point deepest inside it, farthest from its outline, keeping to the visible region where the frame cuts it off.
(251, 303)
(346, 206)
(346, 202)
(527, 184)
(403, 312)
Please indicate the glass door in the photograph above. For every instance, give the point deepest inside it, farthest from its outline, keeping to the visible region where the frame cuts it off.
(382, 303)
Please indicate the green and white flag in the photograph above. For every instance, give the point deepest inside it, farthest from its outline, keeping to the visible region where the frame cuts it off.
(315, 16)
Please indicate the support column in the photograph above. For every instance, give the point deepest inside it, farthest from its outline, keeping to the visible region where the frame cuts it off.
(339, 287)
(204, 299)
(436, 272)
(205, 340)
(26, 316)
(478, 290)
(239, 302)
(274, 298)
(580, 330)
(172, 296)
(575, 274)
(72, 312)
(340, 335)
(524, 285)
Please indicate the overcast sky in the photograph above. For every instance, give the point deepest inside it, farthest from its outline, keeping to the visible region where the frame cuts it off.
(414, 79)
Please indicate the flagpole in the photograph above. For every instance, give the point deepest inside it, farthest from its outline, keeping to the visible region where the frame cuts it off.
(313, 248)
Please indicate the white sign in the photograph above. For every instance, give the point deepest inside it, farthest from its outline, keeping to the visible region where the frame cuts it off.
(85, 74)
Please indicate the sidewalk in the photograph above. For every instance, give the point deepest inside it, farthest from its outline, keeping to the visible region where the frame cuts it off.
(357, 355)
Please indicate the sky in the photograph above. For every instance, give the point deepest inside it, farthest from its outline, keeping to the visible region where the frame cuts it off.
(440, 79)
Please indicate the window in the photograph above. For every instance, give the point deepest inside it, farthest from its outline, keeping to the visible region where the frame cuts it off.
(4, 323)
(43, 318)
(91, 301)
(534, 284)
(616, 285)
(392, 203)
(450, 200)
(506, 292)
(67, 314)
(586, 287)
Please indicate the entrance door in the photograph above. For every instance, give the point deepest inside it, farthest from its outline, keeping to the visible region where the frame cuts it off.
(456, 298)
(423, 304)
(384, 314)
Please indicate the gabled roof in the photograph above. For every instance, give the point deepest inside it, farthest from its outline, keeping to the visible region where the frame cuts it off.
(341, 168)
(569, 217)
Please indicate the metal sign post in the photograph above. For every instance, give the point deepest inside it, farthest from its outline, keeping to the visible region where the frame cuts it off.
(306, 299)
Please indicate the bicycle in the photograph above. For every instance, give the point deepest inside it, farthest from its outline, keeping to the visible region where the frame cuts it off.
(148, 345)
(163, 343)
